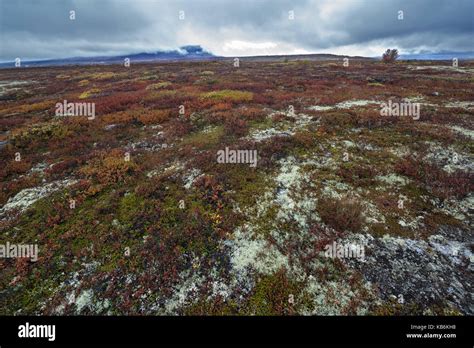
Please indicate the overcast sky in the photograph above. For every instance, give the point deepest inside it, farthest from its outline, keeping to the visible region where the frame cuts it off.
(32, 29)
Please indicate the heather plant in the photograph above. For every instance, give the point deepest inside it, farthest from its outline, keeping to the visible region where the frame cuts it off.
(443, 184)
(342, 214)
(235, 126)
(109, 168)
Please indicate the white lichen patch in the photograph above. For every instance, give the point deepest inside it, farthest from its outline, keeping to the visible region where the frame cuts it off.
(25, 198)
(372, 213)
(348, 104)
(449, 158)
(220, 288)
(462, 210)
(289, 181)
(264, 134)
(185, 293)
(336, 189)
(413, 99)
(468, 105)
(283, 129)
(84, 299)
(170, 170)
(38, 168)
(321, 107)
(447, 68)
(250, 253)
(454, 250)
(332, 297)
(190, 177)
(293, 205)
(392, 180)
(10, 86)
(348, 143)
(412, 224)
(401, 151)
(464, 131)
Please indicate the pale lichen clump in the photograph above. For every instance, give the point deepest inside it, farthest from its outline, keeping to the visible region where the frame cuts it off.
(345, 105)
(185, 293)
(27, 197)
(252, 253)
(393, 180)
(449, 158)
(190, 177)
(333, 297)
(464, 131)
(293, 203)
(462, 210)
(282, 129)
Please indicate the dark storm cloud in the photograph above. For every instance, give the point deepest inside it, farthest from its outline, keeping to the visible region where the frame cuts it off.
(42, 28)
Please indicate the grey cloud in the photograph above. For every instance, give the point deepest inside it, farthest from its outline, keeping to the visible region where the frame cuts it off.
(42, 29)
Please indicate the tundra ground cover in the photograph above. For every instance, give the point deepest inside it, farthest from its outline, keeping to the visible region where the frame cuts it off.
(133, 214)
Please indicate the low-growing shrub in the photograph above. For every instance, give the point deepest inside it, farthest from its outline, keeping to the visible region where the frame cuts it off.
(234, 126)
(109, 169)
(157, 86)
(443, 184)
(358, 174)
(342, 214)
(228, 95)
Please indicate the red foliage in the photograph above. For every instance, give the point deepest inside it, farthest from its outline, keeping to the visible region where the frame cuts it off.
(234, 126)
(443, 184)
(62, 168)
(344, 214)
(179, 127)
(221, 107)
(117, 102)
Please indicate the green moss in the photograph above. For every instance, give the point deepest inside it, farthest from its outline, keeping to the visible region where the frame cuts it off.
(158, 85)
(207, 73)
(130, 205)
(227, 94)
(30, 296)
(390, 227)
(375, 84)
(393, 308)
(212, 307)
(89, 93)
(160, 94)
(205, 139)
(41, 132)
(272, 293)
(261, 124)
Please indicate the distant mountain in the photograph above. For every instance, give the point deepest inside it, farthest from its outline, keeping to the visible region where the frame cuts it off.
(438, 56)
(306, 57)
(196, 52)
(190, 52)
